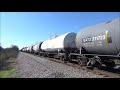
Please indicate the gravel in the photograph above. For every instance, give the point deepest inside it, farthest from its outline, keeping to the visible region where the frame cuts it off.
(30, 66)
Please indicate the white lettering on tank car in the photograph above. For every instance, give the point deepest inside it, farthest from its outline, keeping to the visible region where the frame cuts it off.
(90, 39)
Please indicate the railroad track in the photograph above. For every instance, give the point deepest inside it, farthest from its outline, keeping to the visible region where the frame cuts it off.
(105, 72)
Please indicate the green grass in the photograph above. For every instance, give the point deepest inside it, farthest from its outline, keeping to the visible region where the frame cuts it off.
(9, 70)
(8, 73)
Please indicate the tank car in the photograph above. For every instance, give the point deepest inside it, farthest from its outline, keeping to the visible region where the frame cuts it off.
(36, 48)
(27, 50)
(30, 49)
(102, 41)
(23, 50)
(60, 46)
(60, 43)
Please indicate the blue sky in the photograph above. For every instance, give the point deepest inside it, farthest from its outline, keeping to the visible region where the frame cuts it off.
(27, 28)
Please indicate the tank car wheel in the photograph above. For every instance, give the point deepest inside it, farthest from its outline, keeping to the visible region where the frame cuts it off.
(110, 64)
(69, 58)
(45, 55)
(65, 61)
(48, 55)
(95, 62)
(40, 54)
(61, 58)
(82, 60)
(51, 56)
(98, 62)
(90, 64)
(79, 62)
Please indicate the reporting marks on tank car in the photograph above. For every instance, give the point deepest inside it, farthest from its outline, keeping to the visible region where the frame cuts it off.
(95, 38)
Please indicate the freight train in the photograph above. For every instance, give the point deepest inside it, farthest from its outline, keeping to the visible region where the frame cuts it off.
(92, 46)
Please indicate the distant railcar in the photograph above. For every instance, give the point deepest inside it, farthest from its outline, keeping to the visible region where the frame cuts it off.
(37, 47)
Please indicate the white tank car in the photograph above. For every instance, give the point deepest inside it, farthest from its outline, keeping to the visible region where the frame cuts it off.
(60, 43)
(30, 49)
(23, 49)
(27, 49)
(37, 47)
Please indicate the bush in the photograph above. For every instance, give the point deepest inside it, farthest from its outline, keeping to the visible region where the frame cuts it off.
(12, 52)
(7, 53)
(1, 49)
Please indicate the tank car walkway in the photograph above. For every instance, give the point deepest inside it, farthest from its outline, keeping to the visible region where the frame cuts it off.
(30, 66)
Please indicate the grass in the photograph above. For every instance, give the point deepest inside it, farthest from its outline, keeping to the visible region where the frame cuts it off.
(8, 73)
(8, 61)
(9, 70)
